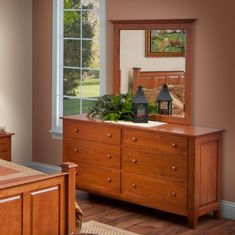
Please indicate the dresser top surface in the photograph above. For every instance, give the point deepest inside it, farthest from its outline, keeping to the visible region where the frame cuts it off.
(167, 128)
(4, 134)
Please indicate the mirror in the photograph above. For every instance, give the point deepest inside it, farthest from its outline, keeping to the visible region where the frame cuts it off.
(155, 53)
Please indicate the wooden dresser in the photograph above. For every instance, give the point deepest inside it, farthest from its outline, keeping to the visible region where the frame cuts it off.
(5, 146)
(169, 167)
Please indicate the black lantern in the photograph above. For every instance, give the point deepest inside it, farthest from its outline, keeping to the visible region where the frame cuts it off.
(164, 101)
(140, 107)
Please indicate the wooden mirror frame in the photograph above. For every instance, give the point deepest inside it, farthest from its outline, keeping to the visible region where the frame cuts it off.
(184, 24)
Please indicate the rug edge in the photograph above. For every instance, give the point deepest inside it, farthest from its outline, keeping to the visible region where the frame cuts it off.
(108, 226)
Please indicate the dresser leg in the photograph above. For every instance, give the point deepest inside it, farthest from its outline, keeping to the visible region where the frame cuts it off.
(193, 222)
(217, 214)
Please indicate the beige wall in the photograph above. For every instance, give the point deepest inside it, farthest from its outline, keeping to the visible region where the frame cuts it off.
(16, 75)
(45, 149)
(213, 69)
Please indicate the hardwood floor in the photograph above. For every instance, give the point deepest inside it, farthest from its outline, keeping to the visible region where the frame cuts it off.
(147, 221)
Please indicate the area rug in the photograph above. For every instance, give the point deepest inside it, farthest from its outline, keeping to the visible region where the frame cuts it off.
(94, 227)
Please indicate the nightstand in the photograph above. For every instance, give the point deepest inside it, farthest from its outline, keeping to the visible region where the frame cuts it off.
(5, 146)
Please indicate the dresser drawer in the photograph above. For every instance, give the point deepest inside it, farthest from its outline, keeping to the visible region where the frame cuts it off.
(98, 179)
(80, 151)
(4, 144)
(155, 164)
(148, 139)
(157, 192)
(4, 156)
(92, 131)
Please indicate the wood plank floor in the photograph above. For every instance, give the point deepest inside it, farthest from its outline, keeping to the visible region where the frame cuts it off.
(147, 221)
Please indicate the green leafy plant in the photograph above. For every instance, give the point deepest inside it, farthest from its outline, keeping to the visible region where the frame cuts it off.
(151, 108)
(112, 107)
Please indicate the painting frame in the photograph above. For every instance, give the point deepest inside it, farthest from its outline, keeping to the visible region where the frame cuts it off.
(151, 39)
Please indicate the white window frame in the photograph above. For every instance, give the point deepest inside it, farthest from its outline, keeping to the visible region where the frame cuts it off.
(57, 63)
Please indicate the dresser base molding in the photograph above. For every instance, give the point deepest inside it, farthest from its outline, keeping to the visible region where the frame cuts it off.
(170, 167)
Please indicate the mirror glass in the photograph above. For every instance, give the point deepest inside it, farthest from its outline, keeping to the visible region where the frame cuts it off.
(151, 58)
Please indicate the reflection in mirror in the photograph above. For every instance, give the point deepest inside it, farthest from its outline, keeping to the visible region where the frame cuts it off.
(139, 65)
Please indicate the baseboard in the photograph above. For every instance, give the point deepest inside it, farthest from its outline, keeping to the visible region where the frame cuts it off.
(48, 169)
(228, 209)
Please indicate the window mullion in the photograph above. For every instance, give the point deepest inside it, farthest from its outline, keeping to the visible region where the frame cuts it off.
(61, 58)
(102, 45)
(81, 59)
(84, 68)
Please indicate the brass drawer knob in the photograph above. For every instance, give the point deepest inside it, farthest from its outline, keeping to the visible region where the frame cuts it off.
(109, 135)
(134, 161)
(76, 150)
(173, 194)
(134, 139)
(173, 168)
(76, 130)
(109, 180)
(174, 145)
(109, 156)
(134, 185)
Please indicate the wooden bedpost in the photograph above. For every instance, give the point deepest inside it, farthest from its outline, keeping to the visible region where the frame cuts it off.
(70, 168)
(136, 78)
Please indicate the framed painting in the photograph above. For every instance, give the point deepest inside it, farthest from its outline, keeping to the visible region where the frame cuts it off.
(165, 43)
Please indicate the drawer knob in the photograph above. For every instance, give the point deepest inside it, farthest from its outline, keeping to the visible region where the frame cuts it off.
(109, 135)
(134, 139)
(173, 194)
(109, 156)
(109, 180)
(134, 185)
(76, 150)
(173, 168)
(174, 145)
(134, 161)
(76, 130)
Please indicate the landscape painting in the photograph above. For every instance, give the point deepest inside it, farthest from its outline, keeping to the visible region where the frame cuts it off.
(165, 43)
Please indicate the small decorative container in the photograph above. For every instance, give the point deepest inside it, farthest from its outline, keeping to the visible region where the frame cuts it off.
(140, 107)
(164, 101)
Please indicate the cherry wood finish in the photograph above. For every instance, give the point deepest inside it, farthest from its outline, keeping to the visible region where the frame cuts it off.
(5, 146)
(170, 167)
(94, 153)
(10, 211)
(155, 164)
(183, 24)
(40, 206)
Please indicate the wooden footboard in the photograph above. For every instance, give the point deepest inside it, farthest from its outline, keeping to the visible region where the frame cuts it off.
(40, 206)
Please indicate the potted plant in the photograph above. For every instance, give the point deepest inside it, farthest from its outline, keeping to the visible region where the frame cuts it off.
(112, 107)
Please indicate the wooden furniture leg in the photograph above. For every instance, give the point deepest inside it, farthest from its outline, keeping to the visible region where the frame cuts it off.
(193, 221)
(217, 214)
(71, 169)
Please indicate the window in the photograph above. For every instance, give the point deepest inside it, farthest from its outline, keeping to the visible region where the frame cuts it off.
(78, 57)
